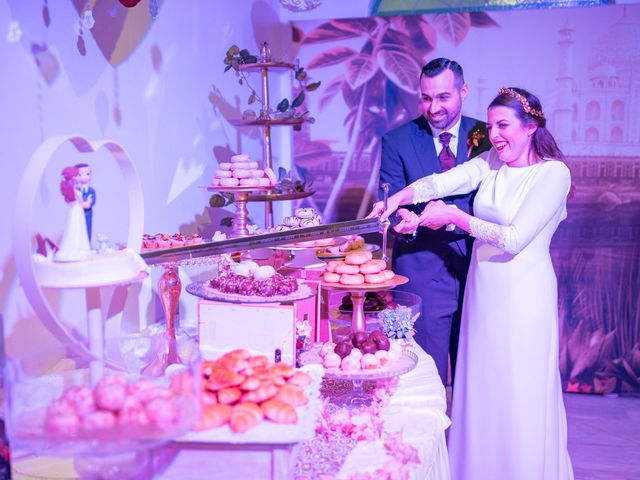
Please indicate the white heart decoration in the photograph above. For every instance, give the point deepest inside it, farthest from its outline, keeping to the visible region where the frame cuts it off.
(23, 232)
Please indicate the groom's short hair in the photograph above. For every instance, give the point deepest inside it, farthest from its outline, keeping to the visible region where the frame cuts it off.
(439, 65)
(82, 165)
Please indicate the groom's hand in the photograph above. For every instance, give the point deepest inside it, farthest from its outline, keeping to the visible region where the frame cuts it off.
(408, 222)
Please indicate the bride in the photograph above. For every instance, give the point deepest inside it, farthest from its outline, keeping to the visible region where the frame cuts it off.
(74, 246)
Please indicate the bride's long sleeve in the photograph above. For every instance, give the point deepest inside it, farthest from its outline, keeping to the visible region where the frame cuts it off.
(462, 179)
(539, 207)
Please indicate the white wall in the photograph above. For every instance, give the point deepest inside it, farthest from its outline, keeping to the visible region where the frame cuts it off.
(168, 125)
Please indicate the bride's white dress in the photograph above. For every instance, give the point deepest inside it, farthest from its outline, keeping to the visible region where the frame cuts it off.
(74, 246)
(508, 417)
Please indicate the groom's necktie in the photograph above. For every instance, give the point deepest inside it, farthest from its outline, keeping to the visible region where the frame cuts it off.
(447, 158)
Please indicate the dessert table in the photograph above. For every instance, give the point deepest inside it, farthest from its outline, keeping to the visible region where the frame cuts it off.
(417, 408)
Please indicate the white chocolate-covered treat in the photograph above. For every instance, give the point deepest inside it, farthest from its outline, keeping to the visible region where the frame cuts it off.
(264, 272)
(331, 360)
(223, 174)
(350, 364)
(369, 362)
(242, 173)
(225, 166)
(229, 182)
(326, 348)
(383, 357)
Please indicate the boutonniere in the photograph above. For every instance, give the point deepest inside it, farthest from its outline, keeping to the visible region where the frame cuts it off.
(474, 140)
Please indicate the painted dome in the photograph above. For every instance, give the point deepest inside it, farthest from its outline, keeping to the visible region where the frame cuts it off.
(619, 46)
(603, 71)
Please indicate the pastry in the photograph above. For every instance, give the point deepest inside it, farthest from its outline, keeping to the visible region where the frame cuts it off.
(249, 182)
(229, 395)
(244, 416)
(302, 379)
(327, 348)
(331, 360)
(350, 364)
(369, 361)
(292, 395)
(304, 212)
(214, 416)
(331, 266)
(225, 166)
(241, 166)
(388, 274)
(271, 176)
(223, 174)
(279, 412)
(242, 174)
(229, 182)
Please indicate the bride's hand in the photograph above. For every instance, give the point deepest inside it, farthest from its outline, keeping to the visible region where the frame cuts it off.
(435, 215)
(408, 223)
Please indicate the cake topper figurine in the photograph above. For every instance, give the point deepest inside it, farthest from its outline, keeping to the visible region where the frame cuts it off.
(74, 246)
(88, 193)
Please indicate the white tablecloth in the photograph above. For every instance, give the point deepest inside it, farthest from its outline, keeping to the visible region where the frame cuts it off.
(418, 409)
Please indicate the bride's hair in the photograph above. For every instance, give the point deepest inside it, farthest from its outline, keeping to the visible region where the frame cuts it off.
(67, 185)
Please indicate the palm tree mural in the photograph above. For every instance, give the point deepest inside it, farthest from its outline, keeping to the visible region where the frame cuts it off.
(379, 85)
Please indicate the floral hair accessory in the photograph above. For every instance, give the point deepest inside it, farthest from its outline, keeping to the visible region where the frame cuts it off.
(521, 98)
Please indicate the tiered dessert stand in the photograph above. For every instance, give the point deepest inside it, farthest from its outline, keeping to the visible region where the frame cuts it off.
(266, 121)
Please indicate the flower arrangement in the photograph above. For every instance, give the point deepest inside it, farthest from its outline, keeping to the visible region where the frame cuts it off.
(285, 109)
(397, 322)
(475, 139)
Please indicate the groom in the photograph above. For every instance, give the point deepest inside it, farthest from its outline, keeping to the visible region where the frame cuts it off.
(83, 181)
(436, 262)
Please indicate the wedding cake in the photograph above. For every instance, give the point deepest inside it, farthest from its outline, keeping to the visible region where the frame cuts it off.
(97, 269)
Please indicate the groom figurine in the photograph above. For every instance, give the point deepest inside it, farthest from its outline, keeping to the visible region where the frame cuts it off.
(436, 262)
(88, 193)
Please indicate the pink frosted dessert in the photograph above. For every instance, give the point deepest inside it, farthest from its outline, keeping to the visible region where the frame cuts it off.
(109, 393)
(81, 399)
(61, 418)
(383, 357)
(162, 411)
(99, 420)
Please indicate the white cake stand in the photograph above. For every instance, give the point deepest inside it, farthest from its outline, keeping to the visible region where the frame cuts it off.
(23, 232)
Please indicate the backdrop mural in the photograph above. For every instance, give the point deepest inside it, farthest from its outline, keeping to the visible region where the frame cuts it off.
(585, 66)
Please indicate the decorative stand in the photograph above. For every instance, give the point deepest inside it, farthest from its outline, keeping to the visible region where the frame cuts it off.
(358, 294)
(169, 289)
(265, 120)
(241, 197)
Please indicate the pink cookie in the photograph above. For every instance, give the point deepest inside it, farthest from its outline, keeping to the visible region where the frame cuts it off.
(223, 174)
(225, 166)
(253, 165)
(249, 182)
(241, 157)
(264, 182)
(215, 182)
(257, 173)
(241, 166)
(271, 176)
(229, 182)
(99, 420)
(242, 173)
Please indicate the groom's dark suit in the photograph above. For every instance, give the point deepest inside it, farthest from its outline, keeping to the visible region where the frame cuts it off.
(436, 262)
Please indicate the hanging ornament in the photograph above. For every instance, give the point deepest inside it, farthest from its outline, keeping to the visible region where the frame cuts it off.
(15, 32)
(80, 44)
(129, 3)
(153, 9)
(46, 17)
(87, 19)
(300, 5)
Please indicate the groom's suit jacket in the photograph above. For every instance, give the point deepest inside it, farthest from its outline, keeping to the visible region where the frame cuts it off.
(436, 261)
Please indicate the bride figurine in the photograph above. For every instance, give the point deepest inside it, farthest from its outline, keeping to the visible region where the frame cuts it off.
(74, 246)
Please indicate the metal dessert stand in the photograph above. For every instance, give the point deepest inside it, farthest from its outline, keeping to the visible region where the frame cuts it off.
(358, 293)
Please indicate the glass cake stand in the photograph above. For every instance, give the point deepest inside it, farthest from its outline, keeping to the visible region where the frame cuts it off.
(358, 292)
(105, 451)
(358, 396)
(202, 290)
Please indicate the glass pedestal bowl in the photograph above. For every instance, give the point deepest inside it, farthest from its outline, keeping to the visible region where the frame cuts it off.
(340, 314)
(66, 405)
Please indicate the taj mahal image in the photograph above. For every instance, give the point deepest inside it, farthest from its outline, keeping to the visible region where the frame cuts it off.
(595, 119)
